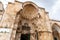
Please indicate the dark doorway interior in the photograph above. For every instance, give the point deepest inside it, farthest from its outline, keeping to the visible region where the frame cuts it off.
(55, 38)
(25, 36)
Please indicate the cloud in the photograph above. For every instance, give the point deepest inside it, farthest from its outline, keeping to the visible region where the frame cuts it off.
(55, 11)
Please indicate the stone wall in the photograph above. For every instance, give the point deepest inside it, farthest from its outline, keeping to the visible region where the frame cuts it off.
(27, 14)
(1, 10)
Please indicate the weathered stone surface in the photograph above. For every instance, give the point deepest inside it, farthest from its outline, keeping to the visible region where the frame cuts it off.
(28, 18)
(1, 6)
(1, 10)
(45, 36)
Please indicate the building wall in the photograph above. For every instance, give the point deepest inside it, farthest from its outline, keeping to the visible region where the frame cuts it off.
(1, 10)
(26, 14)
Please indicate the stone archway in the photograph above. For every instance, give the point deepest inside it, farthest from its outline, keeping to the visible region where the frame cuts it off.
(22, 21)
(55, 29)
(23, 33)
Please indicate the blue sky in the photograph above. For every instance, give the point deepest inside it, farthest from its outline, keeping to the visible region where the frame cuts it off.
(52, 6)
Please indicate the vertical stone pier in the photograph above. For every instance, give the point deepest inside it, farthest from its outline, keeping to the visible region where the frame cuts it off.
(45, 36)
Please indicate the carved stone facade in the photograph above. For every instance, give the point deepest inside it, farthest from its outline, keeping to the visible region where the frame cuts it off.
(27, 21)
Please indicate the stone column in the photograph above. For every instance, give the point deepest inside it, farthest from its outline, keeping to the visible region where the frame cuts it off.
(13, 35)
(45, 35)
(18, 36)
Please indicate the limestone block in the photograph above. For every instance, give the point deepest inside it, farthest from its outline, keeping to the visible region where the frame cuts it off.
(45, 36)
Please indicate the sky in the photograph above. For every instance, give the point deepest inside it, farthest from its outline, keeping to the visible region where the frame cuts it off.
(51, 6)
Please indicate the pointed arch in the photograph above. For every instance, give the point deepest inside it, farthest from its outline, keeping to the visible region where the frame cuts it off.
(55, 31)
(28, 2)
(19, 15)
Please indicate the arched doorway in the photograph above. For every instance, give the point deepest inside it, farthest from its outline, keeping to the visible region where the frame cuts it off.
(23, 33)
(23, 16)
(55, 29)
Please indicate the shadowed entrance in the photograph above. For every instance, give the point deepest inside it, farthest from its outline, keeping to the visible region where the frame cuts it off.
(55, 38)
(25, 36)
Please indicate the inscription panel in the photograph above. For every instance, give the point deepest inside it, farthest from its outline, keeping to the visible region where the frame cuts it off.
(5, 33)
